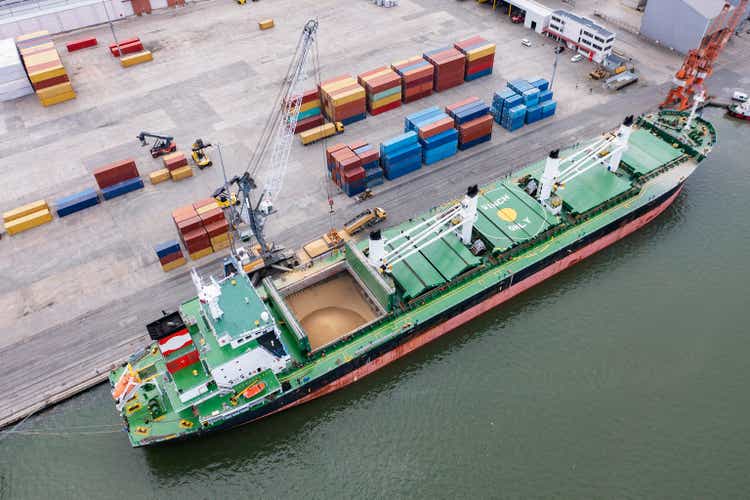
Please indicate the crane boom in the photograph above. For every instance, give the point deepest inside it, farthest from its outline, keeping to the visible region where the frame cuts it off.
(698, 63)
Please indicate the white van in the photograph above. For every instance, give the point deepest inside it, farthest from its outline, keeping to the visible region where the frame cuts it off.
(740, 96)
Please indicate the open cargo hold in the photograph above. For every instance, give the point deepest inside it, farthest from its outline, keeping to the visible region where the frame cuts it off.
(473, 120)
(13, 80)
(310, 111)
(343, 99)
(449, 66)
(383, 89)
(480, 56)
(401, 155)
(416, 77)
(435, 133)
(76, 202)
(44, 68)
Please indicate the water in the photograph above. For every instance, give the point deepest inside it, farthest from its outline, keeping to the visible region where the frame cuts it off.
(624, 377)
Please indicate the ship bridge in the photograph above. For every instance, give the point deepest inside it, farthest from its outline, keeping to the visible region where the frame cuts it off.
(507, 216)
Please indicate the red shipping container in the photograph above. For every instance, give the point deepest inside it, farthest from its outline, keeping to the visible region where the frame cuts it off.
(462, 45)
(170, 258)
(213, 215)
(354, 174)
(217, 228)
(452, 107)
(357, 144)
(332, 149)
(308, 123)
(383, 109)
(50, 82)
(80, 44)
(183, 213)
(202, 203)
(187, 226)
(350, 163)
(116, 172)
(474, 129)
(129, 48)
(369, 156)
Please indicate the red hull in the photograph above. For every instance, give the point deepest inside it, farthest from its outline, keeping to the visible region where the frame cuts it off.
(738, 115)
(486, 305)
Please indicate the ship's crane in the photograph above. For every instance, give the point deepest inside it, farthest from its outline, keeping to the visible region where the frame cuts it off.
(270, 157)
(459, 218)
(698, 64)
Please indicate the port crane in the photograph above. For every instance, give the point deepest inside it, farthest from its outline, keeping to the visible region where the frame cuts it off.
(271, 157)
(699, 62)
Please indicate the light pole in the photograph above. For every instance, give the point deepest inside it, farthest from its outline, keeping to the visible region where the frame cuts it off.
(558, 49)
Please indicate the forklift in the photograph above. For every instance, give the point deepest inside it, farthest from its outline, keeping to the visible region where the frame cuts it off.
(162, 145)
(200, 157)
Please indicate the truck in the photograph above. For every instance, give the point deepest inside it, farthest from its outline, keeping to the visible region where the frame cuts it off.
(366, 218)
(320, 132)
(620, 80)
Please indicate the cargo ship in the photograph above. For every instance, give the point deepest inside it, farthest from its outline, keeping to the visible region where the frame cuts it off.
(238, 352)
(740, 110)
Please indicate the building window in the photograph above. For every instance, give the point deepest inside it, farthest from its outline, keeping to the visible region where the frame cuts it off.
(554, 18)
(608, 47)
(599, 39)
(610, 39)
(585, 42)
(597, 47)
(587, 33)
(554, 27)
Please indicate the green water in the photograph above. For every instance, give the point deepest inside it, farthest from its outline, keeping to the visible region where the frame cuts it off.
(626, 376)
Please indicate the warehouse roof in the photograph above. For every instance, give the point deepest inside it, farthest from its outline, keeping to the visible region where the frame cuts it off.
(707, 8)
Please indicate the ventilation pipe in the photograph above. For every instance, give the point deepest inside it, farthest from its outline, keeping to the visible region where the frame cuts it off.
(376, 252)
(623, 137)
(699, 99)
(550, 175)
(469, 213)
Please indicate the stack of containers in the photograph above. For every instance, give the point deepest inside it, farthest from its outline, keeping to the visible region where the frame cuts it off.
(26, 216)
(44, 68)
(76, 202)
(214, 223)
(417, 77)
(502, 101)
(129, 46)
(118, 178)
(192, 233)
(310, 111)
(480, 56)
(343, 99)
(473, 120)
(177, 165)
(401, 155)
(545, 97)
(514, 117)
(13, 80)
(170, 255)
(383, 89)
(450, 65)
(369, 157)
(436, 134)
(347, 171)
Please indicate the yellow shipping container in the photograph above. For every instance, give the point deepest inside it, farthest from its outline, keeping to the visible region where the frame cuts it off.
(182, 173)
(137, 58)
(31, 36)
(386, 100)
(309, 105)
(158, 176)
(201, 253)
(28, 221)
(57, 99)
(23, 210)
(340, 84)
(349, 96)
(266, 24)
(220, 245)
(317, 133)
(207, 208)
(36, 49)
(481, 52)
(43, 57)
(46, 74)
(55, 90)
(174, 264)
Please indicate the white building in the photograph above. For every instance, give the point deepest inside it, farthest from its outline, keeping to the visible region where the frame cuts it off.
(536, 16)
(582, 34)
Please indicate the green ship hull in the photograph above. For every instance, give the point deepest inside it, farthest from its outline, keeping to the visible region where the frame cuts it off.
(237, 353)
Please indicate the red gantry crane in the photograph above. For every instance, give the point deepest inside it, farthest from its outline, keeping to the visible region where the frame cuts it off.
(698, 64)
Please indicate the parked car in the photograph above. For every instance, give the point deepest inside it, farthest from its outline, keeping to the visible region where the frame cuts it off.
(576, 58)
(517, 19)
(525, 42)
(740, 97)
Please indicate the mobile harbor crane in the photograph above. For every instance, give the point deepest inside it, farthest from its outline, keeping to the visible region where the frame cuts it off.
(699, 63)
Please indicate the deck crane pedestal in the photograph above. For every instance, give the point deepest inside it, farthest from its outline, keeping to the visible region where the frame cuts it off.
(269, 163)
(699, 62)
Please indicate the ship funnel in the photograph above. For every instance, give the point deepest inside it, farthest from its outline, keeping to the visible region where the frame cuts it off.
(469, 213)
(621, 143)
(550, 175)
(376, 247)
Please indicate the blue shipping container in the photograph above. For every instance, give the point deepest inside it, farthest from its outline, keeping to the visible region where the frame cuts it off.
(440, 139)
(430, 156)
(545, 95)
(405, 152)
(122, 188)
(540, 83)
(167, 248)
(352, 119)
(478, 74)
(470, 112)
(76, 202)
(397, 142)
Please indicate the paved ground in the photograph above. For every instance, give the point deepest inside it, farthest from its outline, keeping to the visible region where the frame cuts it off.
(75, 294)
